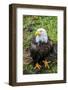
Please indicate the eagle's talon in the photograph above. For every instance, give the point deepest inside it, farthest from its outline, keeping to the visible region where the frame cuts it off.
(37, 66)
(46, 64)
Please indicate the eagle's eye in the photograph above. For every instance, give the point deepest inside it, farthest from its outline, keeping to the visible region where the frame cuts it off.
(40, 31)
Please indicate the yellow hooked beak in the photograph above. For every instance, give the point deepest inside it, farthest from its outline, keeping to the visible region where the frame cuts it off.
(37, 33)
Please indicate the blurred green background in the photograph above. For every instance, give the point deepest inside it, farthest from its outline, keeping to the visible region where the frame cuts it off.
(30, 25)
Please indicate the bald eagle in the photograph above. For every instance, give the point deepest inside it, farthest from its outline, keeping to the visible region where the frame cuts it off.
(40, 49)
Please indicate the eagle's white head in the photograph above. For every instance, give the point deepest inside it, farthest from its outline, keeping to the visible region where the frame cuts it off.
(41, 35)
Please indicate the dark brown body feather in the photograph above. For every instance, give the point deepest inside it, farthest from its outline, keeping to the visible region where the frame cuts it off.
(40, 51)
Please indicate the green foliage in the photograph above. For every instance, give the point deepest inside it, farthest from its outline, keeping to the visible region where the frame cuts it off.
(34, 22)
(29, 69)
(47, 22)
